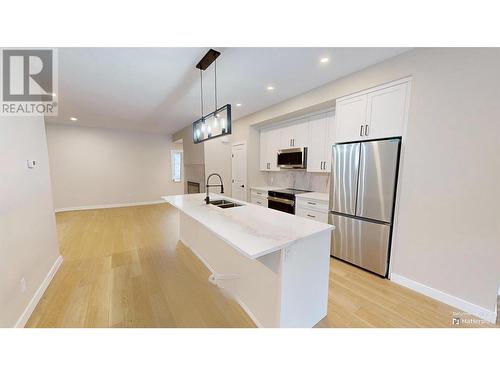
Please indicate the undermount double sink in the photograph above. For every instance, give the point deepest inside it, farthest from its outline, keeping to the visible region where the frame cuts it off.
(222, 203)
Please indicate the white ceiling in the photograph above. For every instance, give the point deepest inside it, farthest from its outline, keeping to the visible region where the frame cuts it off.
(158, 89)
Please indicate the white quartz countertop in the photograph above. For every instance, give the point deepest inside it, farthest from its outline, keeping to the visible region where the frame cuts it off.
(314, 195)
(252, 230)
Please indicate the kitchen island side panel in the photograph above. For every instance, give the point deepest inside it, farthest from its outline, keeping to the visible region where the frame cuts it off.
(254, 284)
(304, 281)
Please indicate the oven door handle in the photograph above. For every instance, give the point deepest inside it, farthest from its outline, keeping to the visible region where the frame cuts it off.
(281, 200)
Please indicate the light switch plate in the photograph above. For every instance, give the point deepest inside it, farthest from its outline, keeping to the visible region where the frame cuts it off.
(32, 163)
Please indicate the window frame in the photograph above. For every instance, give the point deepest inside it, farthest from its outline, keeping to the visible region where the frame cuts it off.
(172, 166)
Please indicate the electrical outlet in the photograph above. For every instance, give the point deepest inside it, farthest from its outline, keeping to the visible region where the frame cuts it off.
(23, 285)
(32, 164)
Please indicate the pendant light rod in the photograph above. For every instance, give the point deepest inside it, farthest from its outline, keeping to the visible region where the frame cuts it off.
(201, 91)
(215, 85)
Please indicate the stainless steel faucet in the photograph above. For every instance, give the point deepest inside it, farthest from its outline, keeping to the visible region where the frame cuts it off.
(207, 199)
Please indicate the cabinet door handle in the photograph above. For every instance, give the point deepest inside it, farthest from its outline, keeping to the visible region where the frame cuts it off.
(366, 129)
(361, 130)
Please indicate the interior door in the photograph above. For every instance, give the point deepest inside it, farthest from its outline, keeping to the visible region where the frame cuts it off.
(239, 171)
(351, 118)
(377, 179)
(361, 242)
(345, 159)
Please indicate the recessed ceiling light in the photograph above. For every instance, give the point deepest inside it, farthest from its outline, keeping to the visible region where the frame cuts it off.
(270, 88)
(324, 60)
(73, 119)
(238, 104)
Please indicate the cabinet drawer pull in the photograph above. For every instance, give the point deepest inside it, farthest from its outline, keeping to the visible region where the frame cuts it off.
(311, 203)
(311, 215)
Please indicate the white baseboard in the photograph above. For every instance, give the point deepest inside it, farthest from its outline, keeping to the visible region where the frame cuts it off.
(459, 303)
(100, 206)
(23, 319)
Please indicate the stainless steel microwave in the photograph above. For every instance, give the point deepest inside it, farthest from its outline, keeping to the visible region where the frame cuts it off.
(293, 158)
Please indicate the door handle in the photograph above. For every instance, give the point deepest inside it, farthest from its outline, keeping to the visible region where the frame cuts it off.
(361, 130)
(366, 129)
(242, 186)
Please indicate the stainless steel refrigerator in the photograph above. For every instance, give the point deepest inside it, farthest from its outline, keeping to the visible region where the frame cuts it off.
(362, 198)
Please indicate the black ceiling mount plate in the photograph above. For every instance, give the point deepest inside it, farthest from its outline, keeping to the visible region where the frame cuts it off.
(208, 59)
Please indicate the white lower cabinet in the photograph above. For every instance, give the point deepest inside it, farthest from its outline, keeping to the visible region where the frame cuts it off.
(313, 209)
(313, 215)
(258, 197)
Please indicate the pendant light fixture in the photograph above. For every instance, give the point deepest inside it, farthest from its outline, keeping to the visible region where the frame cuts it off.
(218, 122)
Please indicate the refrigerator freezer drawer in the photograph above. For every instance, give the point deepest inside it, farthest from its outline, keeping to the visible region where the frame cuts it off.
(363, 243)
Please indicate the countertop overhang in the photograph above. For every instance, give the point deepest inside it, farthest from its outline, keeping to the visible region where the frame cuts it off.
(252, 230)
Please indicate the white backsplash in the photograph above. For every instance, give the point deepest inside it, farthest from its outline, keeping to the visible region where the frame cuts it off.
(319, 182)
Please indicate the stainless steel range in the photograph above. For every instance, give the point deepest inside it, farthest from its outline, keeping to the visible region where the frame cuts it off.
(283, 199)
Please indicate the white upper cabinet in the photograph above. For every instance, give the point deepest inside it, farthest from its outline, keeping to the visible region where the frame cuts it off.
(386, 112)
(264, 163)
(321, 138)
(375, 113)
(296, 135)
(270, 143)
(351, 118)
(316, 133)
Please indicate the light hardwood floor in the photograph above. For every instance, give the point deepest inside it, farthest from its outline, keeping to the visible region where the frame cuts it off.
(124, 267)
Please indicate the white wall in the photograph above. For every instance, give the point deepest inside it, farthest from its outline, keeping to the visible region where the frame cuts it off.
(28, 238)
(193, 153)
(218, 160)
(448, 226)
(97, 166)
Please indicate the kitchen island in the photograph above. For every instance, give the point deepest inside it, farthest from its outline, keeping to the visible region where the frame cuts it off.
(274, 264)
